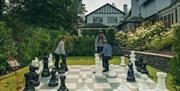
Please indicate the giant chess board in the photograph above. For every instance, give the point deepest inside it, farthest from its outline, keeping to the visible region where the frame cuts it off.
(74, 82)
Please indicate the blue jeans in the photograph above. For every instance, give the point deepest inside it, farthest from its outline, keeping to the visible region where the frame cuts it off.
(106, 62)
(99, 49)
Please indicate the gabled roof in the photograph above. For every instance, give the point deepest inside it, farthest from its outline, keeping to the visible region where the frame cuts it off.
(93, 25)
(104, 6)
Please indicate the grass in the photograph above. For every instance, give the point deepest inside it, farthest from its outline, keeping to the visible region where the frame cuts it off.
(8, 82)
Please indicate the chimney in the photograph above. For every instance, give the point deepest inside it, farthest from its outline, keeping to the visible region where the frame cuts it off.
(125, 7)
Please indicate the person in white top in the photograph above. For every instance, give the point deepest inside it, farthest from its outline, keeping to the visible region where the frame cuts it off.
(60, 50)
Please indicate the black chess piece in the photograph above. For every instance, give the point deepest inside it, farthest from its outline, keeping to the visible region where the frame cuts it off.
(144, 69)
(139, 65)
(32, 79)
(54, 79)
(63, 85)
(45, 71)
(61, 70)
(130, 74)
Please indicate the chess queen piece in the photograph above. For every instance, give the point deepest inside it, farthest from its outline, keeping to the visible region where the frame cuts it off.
(63, 85)
(45, 71)
(54, 78)
(161, 84)
(130, 74)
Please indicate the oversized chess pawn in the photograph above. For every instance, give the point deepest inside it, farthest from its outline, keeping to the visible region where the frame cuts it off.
(130, 74)
(32, 79)
(54, 78)
(144, 86)
(123, 86)
(144, 69)
(45, 71)
(50, 60)
(112, 73)
(123, 61)
(63, 85)
(85, 87)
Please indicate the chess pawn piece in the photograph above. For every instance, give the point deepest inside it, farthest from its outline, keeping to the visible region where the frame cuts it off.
(112, 73)
(144, 86)
(50, 60)
(130, 74)
(85, 87)
(62, 69)
(35, 76)
(54, 78)
(63, 85)
(123, 61)
(45, 71)
(144, 69)
(35, 63)
(123, 86)
(28, 83)
(161, 84)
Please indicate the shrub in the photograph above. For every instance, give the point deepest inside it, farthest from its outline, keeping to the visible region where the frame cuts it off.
(175, 63)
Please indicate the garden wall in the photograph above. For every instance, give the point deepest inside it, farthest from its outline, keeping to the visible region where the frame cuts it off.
(159, 61)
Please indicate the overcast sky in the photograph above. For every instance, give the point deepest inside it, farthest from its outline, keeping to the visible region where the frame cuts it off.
(91, 5)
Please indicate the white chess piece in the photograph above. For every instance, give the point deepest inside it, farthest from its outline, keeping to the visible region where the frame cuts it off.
(98, 66)
(123, 86)
(133, 59)
(35, 62)
(145, 86)
(50, 60)
(123, 61)
(85, 87)
(161, 84)
(112, 73)
(40, 67)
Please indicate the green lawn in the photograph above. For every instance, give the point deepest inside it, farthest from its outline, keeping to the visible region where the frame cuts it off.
(8, 82)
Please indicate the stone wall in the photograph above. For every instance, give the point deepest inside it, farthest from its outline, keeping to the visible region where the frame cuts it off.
(159, 61)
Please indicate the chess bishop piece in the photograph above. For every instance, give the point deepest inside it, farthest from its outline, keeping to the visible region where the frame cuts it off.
(123, 86)
(161, 84)
(54, 78)
(45, 71)
(63, 85)
(112, 73)
(130, 74)
(85, 87)
(32, 79)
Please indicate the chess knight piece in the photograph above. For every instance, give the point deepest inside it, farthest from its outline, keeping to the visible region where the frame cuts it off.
(45, 71)
(130, 74)
(62, 69)
(139, 64)
(32, 79)
(54, 79)
(63, 85)
(144, 69)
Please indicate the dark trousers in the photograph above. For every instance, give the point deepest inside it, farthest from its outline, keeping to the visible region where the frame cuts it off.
(99, 49)
(63, 58)
(106, 62)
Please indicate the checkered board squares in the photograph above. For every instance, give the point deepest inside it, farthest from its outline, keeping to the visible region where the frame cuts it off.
(74, 82)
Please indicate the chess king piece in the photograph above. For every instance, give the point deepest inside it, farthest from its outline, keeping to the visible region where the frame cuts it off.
(130, 74)
(161, 84)
(54, 78)
(123, 86)
(144, 69)
(123, 61)
(112, 73)
(45, 71)
(32, 79)
(85, 87)
(63, 85)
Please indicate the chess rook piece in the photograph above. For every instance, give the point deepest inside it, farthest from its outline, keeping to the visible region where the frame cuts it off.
(45, 71)
(144, 69)
(63, 85)
(161, 84)
(130, 74)
(54, 78)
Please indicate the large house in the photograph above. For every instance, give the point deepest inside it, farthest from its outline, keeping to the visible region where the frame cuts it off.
(106, 16)
(167, 11)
